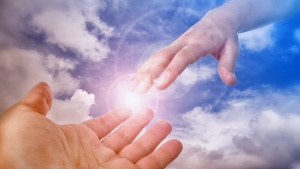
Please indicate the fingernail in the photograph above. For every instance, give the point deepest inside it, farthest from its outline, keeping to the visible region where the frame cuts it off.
(233, 76)
(162, 79)
(231, 79)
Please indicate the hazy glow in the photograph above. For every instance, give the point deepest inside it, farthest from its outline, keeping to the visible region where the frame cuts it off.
(121, 95)
(131, 100)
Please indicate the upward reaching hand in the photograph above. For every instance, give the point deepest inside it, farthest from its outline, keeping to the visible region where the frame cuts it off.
(28, 140)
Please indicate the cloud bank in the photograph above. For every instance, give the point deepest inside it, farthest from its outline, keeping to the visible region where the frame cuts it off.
(259, 39)
(38, 42)
(70, 25)
(22, 69)
(257, 129)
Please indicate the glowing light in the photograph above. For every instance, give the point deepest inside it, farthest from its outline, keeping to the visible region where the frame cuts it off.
(131, 100)
(121, 95)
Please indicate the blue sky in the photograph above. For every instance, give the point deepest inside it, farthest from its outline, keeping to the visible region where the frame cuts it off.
(81, 48)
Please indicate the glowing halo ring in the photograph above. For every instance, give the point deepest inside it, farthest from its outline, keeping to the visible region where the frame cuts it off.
(152, 95)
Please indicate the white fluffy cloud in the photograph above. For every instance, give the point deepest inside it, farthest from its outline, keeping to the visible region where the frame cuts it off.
(258, 39)
(191, 75)
(295, 48)
(63, 23)
(297, 35)
(187, 80)
(74, 110)
(254, 130)
(22, 69)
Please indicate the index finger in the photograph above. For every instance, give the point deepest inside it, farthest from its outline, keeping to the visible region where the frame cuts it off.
(106, 123)
(153, 67)
(183, 58)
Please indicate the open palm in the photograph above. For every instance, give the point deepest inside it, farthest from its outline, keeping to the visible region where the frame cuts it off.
(30, 140)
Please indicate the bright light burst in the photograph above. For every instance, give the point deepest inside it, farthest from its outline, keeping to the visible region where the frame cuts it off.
(120, 94)
(131, 100)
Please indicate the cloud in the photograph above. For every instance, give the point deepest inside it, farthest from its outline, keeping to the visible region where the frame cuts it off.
(191, 75)
(74, 110)
(295, 49)
(63, 23)
(297, 35)
(54, 63)
(256, 129)
(258, 39)
(36, 38)
(21, 69)
(119, 4)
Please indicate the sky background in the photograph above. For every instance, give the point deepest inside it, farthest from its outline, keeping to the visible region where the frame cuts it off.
(81, 47)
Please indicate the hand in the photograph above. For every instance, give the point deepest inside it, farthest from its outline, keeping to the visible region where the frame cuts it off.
(29, 140)
(215, 34)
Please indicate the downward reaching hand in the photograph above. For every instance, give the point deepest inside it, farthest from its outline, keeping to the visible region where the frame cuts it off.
(215, 34)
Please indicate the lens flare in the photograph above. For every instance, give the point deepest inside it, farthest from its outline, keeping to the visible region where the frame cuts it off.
(131, 100)
(120, 94)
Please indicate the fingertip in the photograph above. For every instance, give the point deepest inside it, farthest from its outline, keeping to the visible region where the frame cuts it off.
(38, 99)
(227, 77)
(135, 80)
(145, 114)
(141, 84)
(165, 125)
(177, 144)
(163, 81)
(148, 111)
(175, 147)
(162, 87)
(230, 79)
(122, 113)
(44, 84)
(45, 90)
(143, 87)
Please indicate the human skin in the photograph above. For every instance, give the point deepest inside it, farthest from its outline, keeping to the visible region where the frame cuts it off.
(215, 34)
(29, 140)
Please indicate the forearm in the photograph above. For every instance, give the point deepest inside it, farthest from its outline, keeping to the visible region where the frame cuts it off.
(245, 15)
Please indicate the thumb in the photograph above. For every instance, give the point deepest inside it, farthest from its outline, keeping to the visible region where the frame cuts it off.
(39, 99)
(228, 58)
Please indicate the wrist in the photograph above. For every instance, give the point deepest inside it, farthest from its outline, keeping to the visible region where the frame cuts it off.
(223, 19)
(5, 161)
